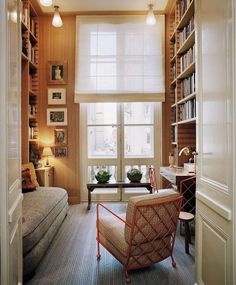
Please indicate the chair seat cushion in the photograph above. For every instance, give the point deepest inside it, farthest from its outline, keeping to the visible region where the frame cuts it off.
(40, 209)
(112, 231)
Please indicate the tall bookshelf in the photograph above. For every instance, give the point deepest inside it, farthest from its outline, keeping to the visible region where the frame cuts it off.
(182, 77)
(29, 81)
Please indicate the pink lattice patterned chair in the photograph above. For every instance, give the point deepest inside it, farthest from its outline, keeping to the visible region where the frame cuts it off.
(145, 234)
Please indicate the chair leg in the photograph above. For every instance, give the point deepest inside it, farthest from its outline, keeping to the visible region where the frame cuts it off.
(127, 278)
(98, 250)
(187, 236)
(173, 261)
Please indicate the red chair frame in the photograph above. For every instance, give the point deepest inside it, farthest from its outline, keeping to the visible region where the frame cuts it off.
(154, 250)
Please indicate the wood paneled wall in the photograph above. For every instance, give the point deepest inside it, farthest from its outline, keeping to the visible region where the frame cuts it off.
(58, 44)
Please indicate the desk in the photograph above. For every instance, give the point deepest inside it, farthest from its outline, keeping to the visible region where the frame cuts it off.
(116, 184)
(174, 176)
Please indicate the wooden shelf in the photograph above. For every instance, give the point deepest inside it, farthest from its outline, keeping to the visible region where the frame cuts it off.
(172, 37)
(188, 71)
(189, 121)
(189, 42)
(32, 93)
(173, 82)
(186, 17)
(174, 105)
(24, 57)
(173, 59)
(185, 99)
(33, 38)
(33, 66)
(23, 26)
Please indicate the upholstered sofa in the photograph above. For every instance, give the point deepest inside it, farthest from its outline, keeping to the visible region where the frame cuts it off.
(43, 211)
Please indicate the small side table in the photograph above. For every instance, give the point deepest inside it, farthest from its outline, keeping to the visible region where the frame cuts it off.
(45, 176)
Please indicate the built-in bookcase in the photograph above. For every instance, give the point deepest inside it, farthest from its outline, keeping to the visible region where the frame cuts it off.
(30, 80)
(182, 77)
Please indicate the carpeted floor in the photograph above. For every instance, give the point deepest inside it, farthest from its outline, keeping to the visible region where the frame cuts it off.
(71, 258)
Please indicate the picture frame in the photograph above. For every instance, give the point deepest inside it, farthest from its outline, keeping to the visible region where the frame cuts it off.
(60, 136)
(57, 116)
(61, 151)
(56, 96)
(57, 72)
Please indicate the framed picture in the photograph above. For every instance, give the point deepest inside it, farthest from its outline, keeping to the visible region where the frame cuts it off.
(60, 136)
(57, 72)
(60, 151)
(57, 116)
(56, 96)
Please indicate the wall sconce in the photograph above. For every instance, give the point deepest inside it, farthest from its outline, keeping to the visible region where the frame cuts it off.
(57, 21)
(150, 19)
(189, 151)
(47, 151)
(46, 3)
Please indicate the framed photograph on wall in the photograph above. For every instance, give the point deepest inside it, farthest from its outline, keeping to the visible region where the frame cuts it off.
(56, 96)
(60, 136)
(57, 116)
(57, 72)
(61, 151)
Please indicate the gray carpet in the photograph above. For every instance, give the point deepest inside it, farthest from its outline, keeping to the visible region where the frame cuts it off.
(71, 258)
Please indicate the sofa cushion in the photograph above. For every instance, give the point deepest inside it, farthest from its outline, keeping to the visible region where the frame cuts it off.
(33, 176)
(40, 209)
(27, 184)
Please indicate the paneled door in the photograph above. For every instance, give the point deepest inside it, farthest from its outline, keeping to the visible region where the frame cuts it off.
(216, 145)
(117, 137)
(10, 153)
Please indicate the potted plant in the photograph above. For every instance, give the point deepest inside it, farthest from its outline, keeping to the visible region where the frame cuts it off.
(103, 176)
(134, 175)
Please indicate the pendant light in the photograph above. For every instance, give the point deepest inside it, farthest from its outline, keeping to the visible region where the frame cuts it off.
(57, 21)
(46, 3)
(150, 19)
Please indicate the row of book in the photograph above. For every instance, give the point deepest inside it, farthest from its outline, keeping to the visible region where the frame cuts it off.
(186, 31)
(31, 53)
(33, 133)
(27, 20)
(173, 71)
(174, 133)
(187, 59)
(187, 86)
(187, 110)
(182, 7)
(32, 109)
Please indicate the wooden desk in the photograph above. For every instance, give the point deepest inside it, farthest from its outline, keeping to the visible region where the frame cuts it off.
(116, 184)
(174, 176)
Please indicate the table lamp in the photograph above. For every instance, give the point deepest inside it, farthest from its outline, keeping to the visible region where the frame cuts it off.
(47, 151)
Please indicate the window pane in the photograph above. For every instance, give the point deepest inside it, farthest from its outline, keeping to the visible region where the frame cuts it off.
(138, 141)
(102, 113)
(138, 113)
(93, 170)
(102, 142)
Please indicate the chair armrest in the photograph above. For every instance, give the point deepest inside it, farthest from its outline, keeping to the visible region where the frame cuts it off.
(110, 211)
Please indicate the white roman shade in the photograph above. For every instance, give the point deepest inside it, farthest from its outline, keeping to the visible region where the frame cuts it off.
(119, 59)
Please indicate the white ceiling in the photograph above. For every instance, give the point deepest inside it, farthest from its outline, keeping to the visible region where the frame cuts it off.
(104, 5)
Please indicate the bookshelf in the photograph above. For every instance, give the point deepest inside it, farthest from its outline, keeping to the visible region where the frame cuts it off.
(29, 81)
(182, 77)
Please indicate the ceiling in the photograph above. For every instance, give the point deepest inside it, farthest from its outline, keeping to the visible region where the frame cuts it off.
(104, 5)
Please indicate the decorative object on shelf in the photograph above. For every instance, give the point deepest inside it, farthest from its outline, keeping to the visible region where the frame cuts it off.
(57, 72)
(47, 151)
(56, 96)
(60, 136)
(45, 3)
(150, 19)
(57, 21)
(57, 116)
(134, 175)
(60, 151)
(103, 176)
(171, 159)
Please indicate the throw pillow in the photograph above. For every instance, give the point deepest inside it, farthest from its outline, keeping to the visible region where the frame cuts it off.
(27, 184)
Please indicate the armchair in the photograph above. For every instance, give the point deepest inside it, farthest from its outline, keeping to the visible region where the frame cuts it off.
(145, 234)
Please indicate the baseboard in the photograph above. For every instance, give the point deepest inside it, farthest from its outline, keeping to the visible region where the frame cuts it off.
(73, 200)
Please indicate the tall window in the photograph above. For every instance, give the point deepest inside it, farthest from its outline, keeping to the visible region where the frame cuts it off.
(119, 59)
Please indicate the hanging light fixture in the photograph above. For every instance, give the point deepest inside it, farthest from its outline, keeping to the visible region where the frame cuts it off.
(57, 21)
(150, 19)
(46, 3)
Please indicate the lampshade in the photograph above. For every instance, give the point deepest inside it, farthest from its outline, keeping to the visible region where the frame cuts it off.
(46, 2)
(150, 19)
(47, 151)
(57, 21)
